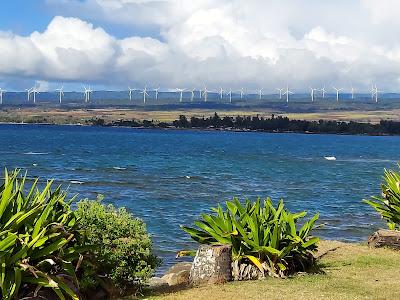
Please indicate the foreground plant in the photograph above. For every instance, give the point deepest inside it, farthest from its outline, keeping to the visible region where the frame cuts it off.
(38, 239)
(259, 233)
(388, 204)
(123, 257)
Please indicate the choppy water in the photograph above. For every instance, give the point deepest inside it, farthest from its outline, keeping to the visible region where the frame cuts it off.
(169, 177)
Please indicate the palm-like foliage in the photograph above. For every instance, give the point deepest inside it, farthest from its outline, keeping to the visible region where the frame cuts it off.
(37, 238)
(388, 204)
(261, 233)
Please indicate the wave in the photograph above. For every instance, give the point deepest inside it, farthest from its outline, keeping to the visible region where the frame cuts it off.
(36, 153)
(76, 182)
(119, 168)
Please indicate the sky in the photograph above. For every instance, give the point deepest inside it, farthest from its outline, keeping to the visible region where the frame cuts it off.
(113, 44)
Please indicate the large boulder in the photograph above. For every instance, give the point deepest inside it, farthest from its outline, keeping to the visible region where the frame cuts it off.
(385, 238)
(178, 274)
(212, 264)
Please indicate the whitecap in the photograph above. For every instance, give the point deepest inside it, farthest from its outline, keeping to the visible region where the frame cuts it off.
(35, 165)
(76, 182)
(330, 157)
(119, 168)
(36, 153)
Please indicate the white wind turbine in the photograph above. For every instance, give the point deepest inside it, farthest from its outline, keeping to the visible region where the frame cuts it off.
(221, 93)
(87, 92)
(280, 93)
(313, 93)
(374, 93)
(192, 95)
(28, 94)
(180, 91)
(60, 93)
(337, 92)
(130, 93)
(352, 92)
(1, 95)
(205, 94)
(260, 94)
(241, 93)
(287, 93)
(156, 91)
(144, 92)
(34, 91)
(230, 95)
(323, 91)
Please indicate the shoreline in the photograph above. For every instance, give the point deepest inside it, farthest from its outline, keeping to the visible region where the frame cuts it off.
(197, 129)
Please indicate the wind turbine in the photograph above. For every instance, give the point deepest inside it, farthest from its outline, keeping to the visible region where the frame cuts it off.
(323, 91)
(337, 93)
(192, 95)
(144, 92)
(230, 95)
(181, 94)
(374, 92)
(221, 93)
(87, 92)
(1, 95)
(130, 93)
(205, 94)
(241, 93)
(260, 93)
(34, 91)
(287, 93)
(352, 92)
(28, 94)
(312, 93)
(60, 93)
(156, 90)
(280, 93)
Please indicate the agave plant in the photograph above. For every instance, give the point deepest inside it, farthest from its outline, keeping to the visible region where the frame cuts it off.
(388, 204)
(38, 240)
(265, 235)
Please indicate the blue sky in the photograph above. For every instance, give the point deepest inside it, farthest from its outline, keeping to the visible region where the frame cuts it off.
(179, 43)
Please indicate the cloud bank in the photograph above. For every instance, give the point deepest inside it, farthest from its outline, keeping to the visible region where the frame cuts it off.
(229, 43)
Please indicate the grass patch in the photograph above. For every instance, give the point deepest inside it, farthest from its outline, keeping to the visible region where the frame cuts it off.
(350, 271)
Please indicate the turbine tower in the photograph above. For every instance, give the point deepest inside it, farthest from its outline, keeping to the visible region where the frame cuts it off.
(323, 91)
(34, 91)
(230, 95)
(28, 94)
(156, 90)
(130, 93)
(144, 92)
(337, 93)
(287, 93)
(192, 95)
(221, 93)
(1, 95)
(205, 94)
(374, 93)
(87, 92)
(241, 93)
(313, 93)
(352, 92)
(280, 93)
(260, 93)
(60, 93)
(181, 94)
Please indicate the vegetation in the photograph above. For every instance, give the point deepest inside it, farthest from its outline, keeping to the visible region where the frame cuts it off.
(388, 204)
(265, 235)
(123, 255)
(351, 271)
(39, 243)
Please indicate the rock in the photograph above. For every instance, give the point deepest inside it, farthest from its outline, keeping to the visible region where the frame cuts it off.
(385, 238)
(156, 282)
(211, 265)
(179, 278)
(180, 267)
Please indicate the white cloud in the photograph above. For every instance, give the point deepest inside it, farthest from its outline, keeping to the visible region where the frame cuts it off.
(234, 43)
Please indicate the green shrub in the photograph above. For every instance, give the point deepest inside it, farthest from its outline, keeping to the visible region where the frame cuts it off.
(388, 204)
(38, 239)
(261, 234)
(123, 254)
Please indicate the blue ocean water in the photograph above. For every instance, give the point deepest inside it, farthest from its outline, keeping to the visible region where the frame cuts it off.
(169, 177)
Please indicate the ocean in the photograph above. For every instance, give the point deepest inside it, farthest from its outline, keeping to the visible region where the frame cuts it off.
(169, 177)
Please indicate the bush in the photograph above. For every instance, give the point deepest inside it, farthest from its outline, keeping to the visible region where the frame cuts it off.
(123, 254)
(388, 204)
(260, 234)
(38, 239)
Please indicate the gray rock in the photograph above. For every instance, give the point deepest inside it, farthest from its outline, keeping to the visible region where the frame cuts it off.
(178, 274)
(157, 282)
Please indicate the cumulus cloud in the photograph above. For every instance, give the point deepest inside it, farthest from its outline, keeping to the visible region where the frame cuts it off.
(232, 43)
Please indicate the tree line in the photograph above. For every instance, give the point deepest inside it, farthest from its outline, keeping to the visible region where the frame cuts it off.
(272, 124)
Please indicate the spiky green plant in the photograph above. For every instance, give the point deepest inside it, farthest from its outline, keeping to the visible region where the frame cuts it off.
(388, 204)
(265, 235)
(37, 238)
